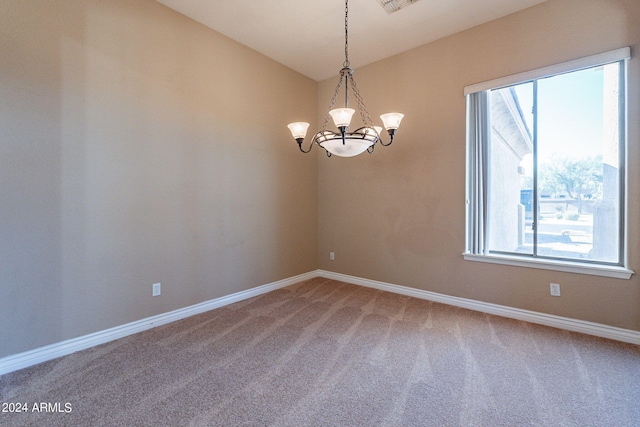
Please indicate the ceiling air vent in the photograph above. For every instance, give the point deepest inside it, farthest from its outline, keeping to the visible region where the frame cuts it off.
(394, 5)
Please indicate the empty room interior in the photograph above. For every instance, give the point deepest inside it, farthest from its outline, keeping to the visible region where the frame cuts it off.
(170, 256)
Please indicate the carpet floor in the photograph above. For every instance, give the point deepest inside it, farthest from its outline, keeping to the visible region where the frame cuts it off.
(327, 353)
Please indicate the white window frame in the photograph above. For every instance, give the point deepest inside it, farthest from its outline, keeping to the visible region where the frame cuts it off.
(475, 248)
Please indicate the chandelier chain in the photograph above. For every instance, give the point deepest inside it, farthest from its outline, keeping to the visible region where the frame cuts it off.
(346, 34)
(364, 114)
(333, 102)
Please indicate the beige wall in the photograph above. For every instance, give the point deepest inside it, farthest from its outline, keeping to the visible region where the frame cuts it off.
(398, 216)
(137, 146)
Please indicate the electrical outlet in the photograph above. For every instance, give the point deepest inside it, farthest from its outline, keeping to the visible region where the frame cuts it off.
(156, 289)
(332, 256)
(554, 288)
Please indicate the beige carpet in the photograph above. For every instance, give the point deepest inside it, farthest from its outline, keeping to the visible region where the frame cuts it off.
(325, 353)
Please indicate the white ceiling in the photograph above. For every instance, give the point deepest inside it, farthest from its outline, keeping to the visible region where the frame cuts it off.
(308, 35)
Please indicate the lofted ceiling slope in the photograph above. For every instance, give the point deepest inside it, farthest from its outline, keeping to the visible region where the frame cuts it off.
(308, 35)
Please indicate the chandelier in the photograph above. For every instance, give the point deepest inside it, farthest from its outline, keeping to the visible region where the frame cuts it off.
(345, 143)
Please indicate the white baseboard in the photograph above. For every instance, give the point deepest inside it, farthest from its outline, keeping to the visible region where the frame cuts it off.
(49, 352)
(575, 325)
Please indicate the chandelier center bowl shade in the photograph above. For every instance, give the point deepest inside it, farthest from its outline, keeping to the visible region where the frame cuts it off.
(346, 143)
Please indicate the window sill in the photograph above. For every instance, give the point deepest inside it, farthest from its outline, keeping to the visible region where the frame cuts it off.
(568, 267)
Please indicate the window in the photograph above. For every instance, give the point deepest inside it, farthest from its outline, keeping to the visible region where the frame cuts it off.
(546, 167)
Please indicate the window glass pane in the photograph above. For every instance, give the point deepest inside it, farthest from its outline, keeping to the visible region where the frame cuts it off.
(577, 170)
(510, 207)
(569, 148)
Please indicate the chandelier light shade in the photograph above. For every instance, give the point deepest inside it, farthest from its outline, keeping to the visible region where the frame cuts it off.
(345, 143)
(298, 129)
(342, 116)
(391, 121)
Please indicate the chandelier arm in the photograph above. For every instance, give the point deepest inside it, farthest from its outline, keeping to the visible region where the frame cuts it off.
(299, 141)
(390, 141)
